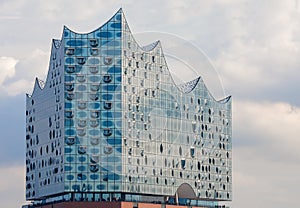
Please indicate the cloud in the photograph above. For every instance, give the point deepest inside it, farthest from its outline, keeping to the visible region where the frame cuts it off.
(265, 154)
(254, 44)
(19, 86)
(7, 66)
(270, 128)
(260, 182)
(12, 186)
(18, 75)
(262, 55)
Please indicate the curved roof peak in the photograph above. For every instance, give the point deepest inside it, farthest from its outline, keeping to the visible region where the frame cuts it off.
(38, 85)
(188, 86)
(225, 100)
(191, 85)
(56, 43)
(41, 83)
(150, 46)
(117, 17)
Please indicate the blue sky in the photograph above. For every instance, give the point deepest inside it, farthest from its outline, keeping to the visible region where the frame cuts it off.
(254, 46)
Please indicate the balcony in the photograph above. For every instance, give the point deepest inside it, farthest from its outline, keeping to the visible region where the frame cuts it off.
(94, 168)
(70, 51)
(107, 105)
(70, 140)
(107, 132)
(82, 149)
(107, 78)
(93, 42)
(108, 60)
(81, 60)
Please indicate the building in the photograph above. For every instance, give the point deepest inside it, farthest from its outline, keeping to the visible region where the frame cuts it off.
(109, 124)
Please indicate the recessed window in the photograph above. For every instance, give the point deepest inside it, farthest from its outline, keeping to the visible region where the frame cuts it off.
(95, 114)
(70, 51)
(81, 60)
(192, 151)
(107, 105)
(69, 87)
(94, 123)
(161, 148)
(108, 60)
(94, 51)
(183, 163)
(81, 78)
(82, 149)
(81, 105)
(153, 59)
(69, 114)
(93, 69)
(70, 69)
(95, 141)
(94, 167)
(70, 96)
(107, 78)
(94, 87)
(153, 93)
(81, 123)
(95, 158)
(81, 131)
(94, 96)
(93, 42)
(157, 77)
(107, 132)
(108, 150)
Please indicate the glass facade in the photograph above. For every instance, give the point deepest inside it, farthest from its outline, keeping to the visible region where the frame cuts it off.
(109, 119)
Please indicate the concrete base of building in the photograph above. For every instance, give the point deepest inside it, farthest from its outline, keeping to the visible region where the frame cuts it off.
(106, 205)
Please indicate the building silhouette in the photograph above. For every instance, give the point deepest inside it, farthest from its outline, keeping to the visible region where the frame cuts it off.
(109, 125)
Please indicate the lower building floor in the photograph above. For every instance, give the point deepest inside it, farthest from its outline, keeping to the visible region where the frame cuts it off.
(86, 204)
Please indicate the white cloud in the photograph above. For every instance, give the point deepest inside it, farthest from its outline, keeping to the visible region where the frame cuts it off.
(19, 86)
(7, 67)
(263, 49)
(19, 75)
(34, 65)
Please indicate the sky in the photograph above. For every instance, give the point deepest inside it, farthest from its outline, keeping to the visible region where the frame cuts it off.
(253, 46)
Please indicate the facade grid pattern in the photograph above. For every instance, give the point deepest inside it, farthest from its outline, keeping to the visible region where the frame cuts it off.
(110, 119)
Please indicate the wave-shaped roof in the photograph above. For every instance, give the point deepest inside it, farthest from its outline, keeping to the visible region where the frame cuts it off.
(188, 86)
(185, 88)
(57, 43)
(150, 46)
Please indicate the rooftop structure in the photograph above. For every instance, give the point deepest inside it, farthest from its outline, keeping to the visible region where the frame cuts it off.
(109, 124)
